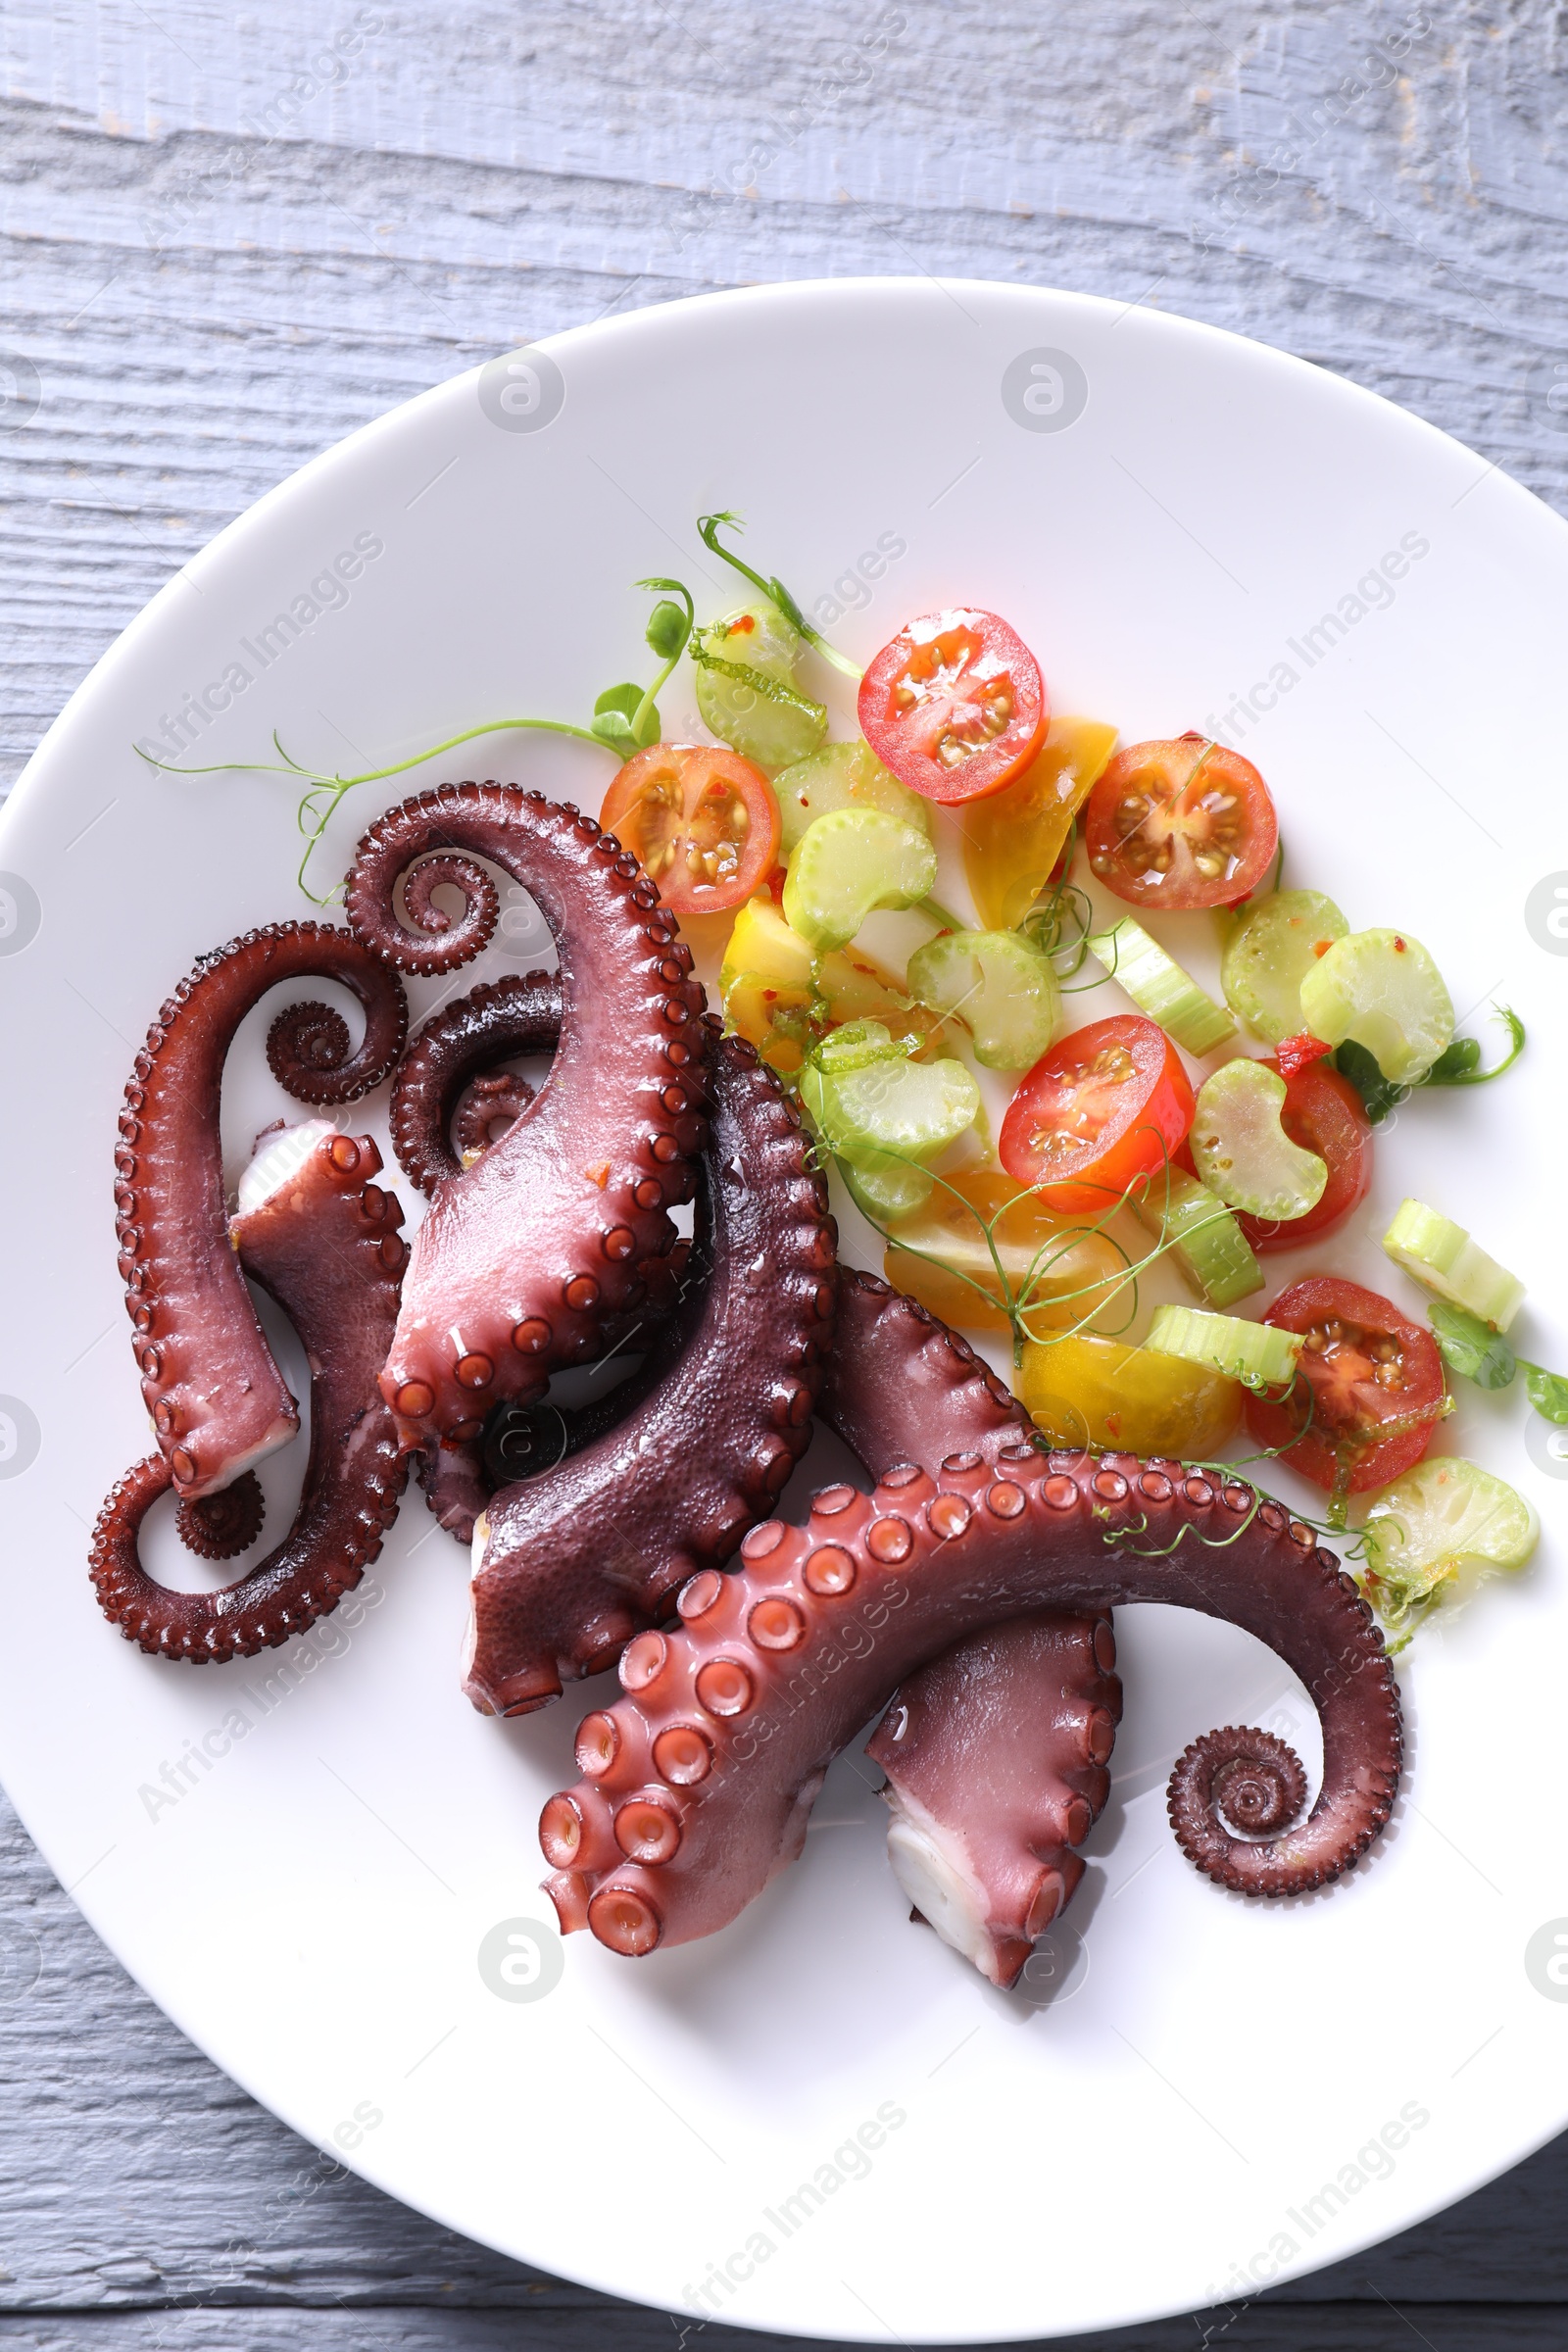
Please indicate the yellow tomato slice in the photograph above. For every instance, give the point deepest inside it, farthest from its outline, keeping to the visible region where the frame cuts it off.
(1061, 1272)
(1103, 1395)
(1012, 839)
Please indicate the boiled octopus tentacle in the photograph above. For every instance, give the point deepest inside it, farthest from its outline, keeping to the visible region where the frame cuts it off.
(517, 1015)
(996, 1753)
(220, 1526)
(571, 1564)
(902, 1387)
(525, 1256)
(216, 1399)
(996, 1758)
(323, 1240)
(447, 1073)
(699, 1782)
(455, 1485)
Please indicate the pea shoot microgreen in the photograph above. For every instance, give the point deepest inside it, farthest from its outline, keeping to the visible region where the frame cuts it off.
(709, 528)
(1458, 1066)
(1477, 1353)
(625, 719)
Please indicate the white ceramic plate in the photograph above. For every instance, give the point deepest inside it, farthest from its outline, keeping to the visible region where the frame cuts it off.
(303, 1857)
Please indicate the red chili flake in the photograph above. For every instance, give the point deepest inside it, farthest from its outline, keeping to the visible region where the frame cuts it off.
(775, 885)
(1298, 1052)
(599, 1173)
(742, 627)
(1398, 947)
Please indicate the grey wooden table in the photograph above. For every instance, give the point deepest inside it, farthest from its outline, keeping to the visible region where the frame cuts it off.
(230, 236)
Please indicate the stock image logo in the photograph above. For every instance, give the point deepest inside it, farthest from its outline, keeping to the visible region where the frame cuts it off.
(523, 390)
(19, 1436)
(1546, 1444)
(521, 931)
(20, 914)
(1546, 1959)
(521, 1960)
(1547, 913)
(1044, 391)
(1056, 1970)
(21, 390)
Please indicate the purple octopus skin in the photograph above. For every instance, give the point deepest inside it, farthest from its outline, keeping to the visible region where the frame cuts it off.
(523, 1257)
(217, 1399)
(324, 1242)
(569, 1564)
(699, 1782)
(1000, 1733)
(447, 1080)
(995, 1759)
(513, 1016)
(996, 1752)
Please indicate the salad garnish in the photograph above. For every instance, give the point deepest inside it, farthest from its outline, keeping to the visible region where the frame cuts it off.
(1113, 1157)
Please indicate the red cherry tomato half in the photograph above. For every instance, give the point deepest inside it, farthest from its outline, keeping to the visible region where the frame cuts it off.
(955, 704)
(704, 822)
(1323, 1113)
(1371, 1392)
(1106, 1105)
(1180, 824)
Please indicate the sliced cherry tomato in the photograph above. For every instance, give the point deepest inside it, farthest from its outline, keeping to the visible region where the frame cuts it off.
(1323, 1113)
(955, 704)
(1180, 824)
(1106, 1105)
(702, 820)
(1373, 1388)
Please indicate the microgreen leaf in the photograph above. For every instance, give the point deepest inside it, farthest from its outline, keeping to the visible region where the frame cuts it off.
(1460, 1064)
(666, 630)
(1471, 1348)
(615, 720)
(1453, 1067)
(708, 530)
(1548, 1393)
(1380, 1095)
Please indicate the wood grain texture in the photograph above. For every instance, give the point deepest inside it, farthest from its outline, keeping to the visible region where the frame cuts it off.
(229, 238)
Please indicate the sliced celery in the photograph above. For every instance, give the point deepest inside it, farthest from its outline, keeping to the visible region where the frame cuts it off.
(1268, 952)
(1159, 988)
(1242, 1151)
(746, 689)
(996, 982)
(891, 1189)
(856, 1046)
(1383, 990)
(1257, 1354)
(1443, 1519)
(841, 775)
(1208, 1246)
(846, 865)
(1446, 1261)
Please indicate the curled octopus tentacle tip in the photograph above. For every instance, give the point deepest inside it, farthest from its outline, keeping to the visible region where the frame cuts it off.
(321, 1239)
(220, 1526)
(919, 1562)
(216, 1396)
(529, 1254)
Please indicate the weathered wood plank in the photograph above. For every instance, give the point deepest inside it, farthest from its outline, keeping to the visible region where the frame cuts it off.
(221, 254)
